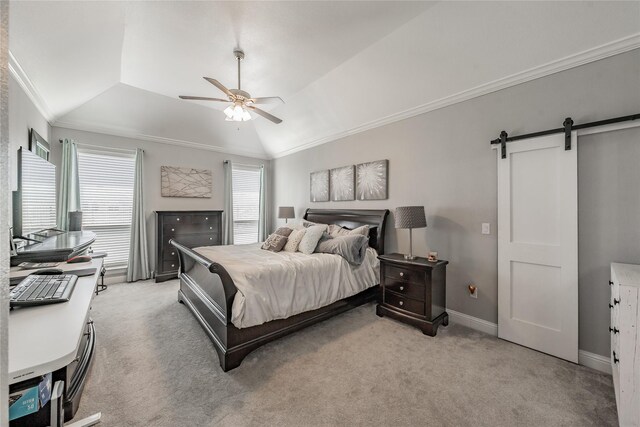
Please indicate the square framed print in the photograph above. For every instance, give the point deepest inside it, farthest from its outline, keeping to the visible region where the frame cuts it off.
(372, 180)
(319, 186)
(342, 183)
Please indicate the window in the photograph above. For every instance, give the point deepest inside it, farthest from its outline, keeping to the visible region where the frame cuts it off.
(246, 203)
(106, 199)
(38, 193)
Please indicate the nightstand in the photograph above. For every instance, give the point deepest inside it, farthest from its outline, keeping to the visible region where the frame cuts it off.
(414, 292)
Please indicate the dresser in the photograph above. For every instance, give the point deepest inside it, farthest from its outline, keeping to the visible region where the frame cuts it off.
(625, 341)
(190, 228)
(414, 292)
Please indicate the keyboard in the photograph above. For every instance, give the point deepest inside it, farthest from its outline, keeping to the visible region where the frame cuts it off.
(42, 289)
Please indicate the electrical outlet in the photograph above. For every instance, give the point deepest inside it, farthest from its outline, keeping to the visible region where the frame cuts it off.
(473, 291)
(486, 228)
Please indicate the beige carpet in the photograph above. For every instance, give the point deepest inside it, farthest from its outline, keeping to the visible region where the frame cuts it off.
(156, 367)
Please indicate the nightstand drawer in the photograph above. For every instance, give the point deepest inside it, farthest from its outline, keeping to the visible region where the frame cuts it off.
(403, 303)
(411, 290)
(404, 275)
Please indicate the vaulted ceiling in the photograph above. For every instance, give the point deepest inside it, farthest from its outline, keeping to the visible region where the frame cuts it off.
(341, 67)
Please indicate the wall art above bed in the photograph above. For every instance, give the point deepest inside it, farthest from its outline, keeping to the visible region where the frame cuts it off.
(342, 183)
(320, 186)
(185, 182)
(372, 180)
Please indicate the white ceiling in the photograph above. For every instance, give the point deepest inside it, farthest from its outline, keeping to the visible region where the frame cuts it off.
(118, 67)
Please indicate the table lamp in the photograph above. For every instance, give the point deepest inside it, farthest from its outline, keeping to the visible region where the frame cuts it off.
(410, 217)
(286, 212)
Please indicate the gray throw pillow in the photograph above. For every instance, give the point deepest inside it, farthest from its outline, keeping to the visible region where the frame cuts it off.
(352, 248)
(274, 243)
(283, 231)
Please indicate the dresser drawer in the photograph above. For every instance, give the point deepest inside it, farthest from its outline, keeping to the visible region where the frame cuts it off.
(205, 219)
(170, 265)
(408, 289)
(404, 303)
(405, 275)
(175, 219)
(195, 240)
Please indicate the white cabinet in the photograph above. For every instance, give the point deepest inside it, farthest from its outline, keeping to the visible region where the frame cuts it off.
(625, 341)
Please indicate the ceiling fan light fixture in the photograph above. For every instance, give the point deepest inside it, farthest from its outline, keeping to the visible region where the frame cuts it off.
(237, 113)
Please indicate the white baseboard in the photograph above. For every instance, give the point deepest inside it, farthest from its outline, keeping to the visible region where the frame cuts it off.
(594, 361)
(473, 322)
(585, 358)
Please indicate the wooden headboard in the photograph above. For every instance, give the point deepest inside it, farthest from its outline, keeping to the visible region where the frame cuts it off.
(354, 218)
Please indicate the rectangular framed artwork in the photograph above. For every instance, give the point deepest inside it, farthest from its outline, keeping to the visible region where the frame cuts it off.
(319, 186)
(185, 182)
(372, 180)
(342, 183)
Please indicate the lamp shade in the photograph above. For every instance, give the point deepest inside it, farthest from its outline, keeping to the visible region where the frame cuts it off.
(410, 217)
(286, 212)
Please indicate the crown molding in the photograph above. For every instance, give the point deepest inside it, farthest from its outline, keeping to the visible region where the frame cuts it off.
(16, 70)
(127, 133)
(606, 50)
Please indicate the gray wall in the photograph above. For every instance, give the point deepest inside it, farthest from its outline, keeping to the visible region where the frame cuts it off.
(156, 155)
(23, 115)
(442, 160)
(608, 223)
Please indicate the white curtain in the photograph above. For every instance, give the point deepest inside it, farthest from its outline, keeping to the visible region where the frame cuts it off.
(138, 268)
(69, 188)
(262, 221)
(227, 215)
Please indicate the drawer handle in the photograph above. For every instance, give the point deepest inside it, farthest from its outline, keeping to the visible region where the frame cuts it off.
(402, 288)
(610, 283)
(401, 274)
(616, 301)
(615, 358)
(401, 302)
(614, 330)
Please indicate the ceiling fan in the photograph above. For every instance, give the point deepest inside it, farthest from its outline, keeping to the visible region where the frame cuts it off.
(241, 101)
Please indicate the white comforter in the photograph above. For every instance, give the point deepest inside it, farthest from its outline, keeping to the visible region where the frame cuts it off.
(279, 285)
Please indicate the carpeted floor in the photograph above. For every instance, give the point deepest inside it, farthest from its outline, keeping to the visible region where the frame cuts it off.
(156, 367)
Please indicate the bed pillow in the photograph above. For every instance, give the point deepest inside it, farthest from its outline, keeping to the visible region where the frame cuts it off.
(353, 247)
(283, 231)
(310, 239)
(294, 240)
(274, 243)
(336, 230)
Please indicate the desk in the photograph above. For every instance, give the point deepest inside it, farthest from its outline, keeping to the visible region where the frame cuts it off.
(54, 337)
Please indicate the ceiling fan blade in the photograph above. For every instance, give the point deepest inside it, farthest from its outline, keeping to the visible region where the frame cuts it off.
(267, 100)
(219, 86)
(202, 98)
(264, 114)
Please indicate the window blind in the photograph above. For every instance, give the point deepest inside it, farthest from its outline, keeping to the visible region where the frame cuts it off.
(106, 198)
(246, 203)
(38, 193)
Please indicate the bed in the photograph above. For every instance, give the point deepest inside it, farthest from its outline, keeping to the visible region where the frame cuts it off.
(208, 290)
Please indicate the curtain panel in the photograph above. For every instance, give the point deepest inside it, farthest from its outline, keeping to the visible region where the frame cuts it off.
(69, 188)
(138, 268)
(227, 215)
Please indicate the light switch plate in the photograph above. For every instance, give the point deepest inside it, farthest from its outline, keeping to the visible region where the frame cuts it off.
(486, 228)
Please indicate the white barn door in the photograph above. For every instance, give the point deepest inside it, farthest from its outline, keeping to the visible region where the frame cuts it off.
(538, 245)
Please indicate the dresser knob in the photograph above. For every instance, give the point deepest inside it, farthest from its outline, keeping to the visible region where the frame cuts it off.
(206, 218)
(210, 228)
(178, 219)
(173, 253)
(401, 274)
(210, 238)
(173, 229)
(173, 265)
(401, 302)
(402, 288)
